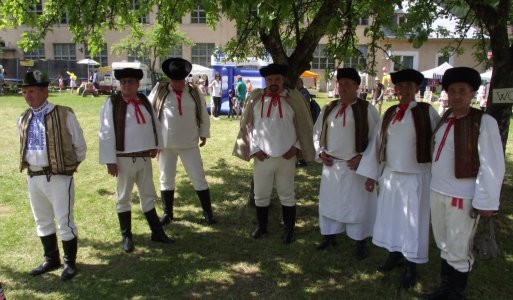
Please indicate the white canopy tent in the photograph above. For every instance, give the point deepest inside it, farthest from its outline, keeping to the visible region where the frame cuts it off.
(438, 72)
(199, 71)
(487, 76)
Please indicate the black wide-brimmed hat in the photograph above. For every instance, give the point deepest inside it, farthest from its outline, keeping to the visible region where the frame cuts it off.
(274, 69)
(176, 68)
(349, 73)
(461, 74)
(128, 73)
(35, 78)
(407, 75)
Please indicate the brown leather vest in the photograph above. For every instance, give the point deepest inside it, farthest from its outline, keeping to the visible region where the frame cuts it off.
(361, 123)
(466, 136)
(423, 131)
(119, 107)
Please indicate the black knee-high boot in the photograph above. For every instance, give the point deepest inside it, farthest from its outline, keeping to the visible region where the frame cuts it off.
(443, 290)
(410, 274)
(157, 232)
(167, 198)
(262, 216)
(394, 259)
(51, 254)
(458, 284)
(206, 205)
(327, 240)
(289, 222)
(125, 224)
(70, 256)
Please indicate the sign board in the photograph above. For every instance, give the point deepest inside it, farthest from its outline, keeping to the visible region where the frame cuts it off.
(27, 63)
(503, 96)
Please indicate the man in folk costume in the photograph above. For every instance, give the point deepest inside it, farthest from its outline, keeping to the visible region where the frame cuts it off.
(402, 143)
(275, 128)
(467, 173)
(52, 147)
(181, 108)
(129, 137)
(341, 134)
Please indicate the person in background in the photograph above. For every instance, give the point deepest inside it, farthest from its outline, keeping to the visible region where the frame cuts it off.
(275, 128)
(240, 92)
(467, 172)
(215, 85)
(399, 156)
(181, 108)
(52, 148)
(249, 87)
(341, 135)
(129, 136)
(443, 103)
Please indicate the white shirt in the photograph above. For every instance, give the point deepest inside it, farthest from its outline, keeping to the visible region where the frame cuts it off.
(340, 139)
(37, 156)
(181, 131)
(216, 88)
(138, 137)
(485, 189)
(273, 135)
(401, 147)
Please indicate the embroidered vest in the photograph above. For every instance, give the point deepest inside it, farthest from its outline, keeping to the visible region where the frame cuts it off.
(62, 158)
(466, 136)
(119, 107)
(423, 131)
(361, 124)
(163, 91)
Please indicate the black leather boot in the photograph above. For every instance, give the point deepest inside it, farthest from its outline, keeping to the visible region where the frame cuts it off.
(167, 197)
(458, 284)
(125, 224)
(327, 240)
(206, 205)
(289, 222)
(70, 257)
(51, 254)
(443, 291)
(410, 274)
(157, 232)
(361, 249)
(394, 259)
(262, 216)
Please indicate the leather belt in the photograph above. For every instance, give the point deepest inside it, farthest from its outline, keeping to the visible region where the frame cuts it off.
(135, 154)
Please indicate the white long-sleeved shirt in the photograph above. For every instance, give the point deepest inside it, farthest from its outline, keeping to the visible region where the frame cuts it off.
(216, 88)
(181, 131)
(486, 187)
(273, 135)
(138, 137)
(401, 147)
(340, 139)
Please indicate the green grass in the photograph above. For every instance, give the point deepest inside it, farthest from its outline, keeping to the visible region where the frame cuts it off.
(215, 262)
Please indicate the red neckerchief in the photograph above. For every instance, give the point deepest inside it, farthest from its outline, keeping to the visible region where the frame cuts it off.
(450, 122)
(179, 98)
(275, 101)
(342, 111)
(138, 113)
(400, 114)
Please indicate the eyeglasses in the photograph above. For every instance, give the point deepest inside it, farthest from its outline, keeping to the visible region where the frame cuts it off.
(129, 81)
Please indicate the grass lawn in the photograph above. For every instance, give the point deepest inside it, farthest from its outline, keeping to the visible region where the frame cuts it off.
(217, 262)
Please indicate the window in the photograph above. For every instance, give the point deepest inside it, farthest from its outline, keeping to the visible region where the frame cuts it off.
(135, 57)
(38, 8)
(201, 53)
(38, 53)
(102, 58)
(404, 60)
(358, 61)
(198, 16)
(441, 58)
(363, 21)
(64, 18)
(143, 19)
(320, 60)
(398, 19)
(64, 52)
(176, 51)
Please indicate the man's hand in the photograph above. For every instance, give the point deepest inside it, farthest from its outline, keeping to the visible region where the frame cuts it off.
(354, 162)
(112, 169)
(203, 141)
(486, 213)
(326, 159)
(261, 155)
(369, 184)
(291, 153)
